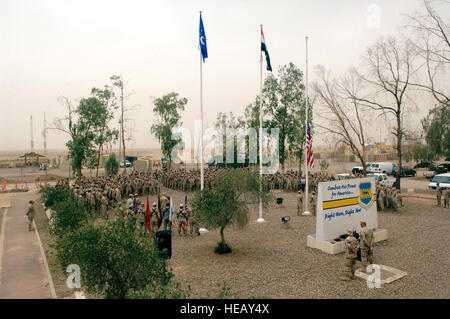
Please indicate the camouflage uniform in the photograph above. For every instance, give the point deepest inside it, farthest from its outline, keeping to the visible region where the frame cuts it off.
(30, 214)
(366, 243)
(351, 249)
(181, 215)
(438, 194)
(155, 218)
(446, 196)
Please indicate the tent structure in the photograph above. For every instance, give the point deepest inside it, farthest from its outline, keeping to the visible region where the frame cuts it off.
(32, 158)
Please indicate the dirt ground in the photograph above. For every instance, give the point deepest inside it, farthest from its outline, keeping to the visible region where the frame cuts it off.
(271, 260)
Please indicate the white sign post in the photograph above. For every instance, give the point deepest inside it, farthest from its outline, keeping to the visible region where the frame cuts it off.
(341, 205)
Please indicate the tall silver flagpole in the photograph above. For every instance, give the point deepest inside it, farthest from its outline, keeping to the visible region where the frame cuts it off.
(201, 120)
(260, 219)
(307, 212)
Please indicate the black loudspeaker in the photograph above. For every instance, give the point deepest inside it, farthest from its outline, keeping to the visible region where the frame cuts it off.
(164, 240)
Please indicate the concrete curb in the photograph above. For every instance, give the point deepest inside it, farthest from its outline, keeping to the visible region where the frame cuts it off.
(2, 241)
(47, 269)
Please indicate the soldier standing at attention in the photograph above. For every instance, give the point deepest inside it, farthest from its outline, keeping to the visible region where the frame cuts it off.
(300, 203)
(366, 243)
(438, 194)
(155, 218)
(351, 252)
(446, 196)
(30, 213)
(140, 218)
(181, 219)
(130, 204)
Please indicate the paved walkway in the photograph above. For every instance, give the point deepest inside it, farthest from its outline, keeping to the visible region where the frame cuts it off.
(22, 271)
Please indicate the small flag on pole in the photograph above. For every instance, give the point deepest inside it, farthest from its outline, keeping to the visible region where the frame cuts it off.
(147, 217)
(172, 213)
(202, 40)
(4, 185)
(264, 49)
(309, 151)
(185, 222)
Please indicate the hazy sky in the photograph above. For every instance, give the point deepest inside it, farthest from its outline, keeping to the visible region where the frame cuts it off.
(61, 47)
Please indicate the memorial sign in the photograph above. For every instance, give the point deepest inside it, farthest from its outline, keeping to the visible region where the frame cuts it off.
(341, 205)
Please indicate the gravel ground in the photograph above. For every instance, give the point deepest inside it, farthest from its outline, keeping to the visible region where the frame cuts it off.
(271, 260)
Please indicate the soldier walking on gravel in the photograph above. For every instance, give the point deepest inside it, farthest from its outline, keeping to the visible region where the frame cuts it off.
(446, 196)
(351, 253)
(30, 213)
(366, 244)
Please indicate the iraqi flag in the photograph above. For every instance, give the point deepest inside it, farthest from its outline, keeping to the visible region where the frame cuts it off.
(264, 49)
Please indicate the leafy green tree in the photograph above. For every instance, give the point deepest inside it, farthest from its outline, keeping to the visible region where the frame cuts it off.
(226, 203)
(112, 165)
(437, 131)
(284, 108)
(167, 110)
(81, 146)
(226, 121)
(104, 134)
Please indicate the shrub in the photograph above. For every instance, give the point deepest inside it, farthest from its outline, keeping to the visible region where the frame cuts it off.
(114, 260)
(68, 215)
(51, 195)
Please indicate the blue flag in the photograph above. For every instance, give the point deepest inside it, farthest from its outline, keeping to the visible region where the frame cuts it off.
(202, 40)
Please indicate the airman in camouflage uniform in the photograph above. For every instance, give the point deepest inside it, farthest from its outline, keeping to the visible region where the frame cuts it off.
(181, 215)
(366, 243)
(351, 252)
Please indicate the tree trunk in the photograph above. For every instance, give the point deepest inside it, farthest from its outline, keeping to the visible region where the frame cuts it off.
(222, 238)
(98, 159)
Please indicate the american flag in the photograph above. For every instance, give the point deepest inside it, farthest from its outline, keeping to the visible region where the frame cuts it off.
(309, 151)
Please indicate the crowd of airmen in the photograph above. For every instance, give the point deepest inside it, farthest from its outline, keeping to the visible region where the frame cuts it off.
(189, 180)
(99, 194)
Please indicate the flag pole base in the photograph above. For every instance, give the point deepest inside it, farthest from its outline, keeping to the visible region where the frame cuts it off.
(306, 213)
(260, 220)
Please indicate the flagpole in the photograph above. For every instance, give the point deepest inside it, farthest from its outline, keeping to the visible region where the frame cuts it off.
(202, 229)
(307, 212)
(260, 219)
(201, 120)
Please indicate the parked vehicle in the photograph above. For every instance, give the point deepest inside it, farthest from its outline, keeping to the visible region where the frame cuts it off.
(382, 179)
(442, 179)
(357, 170)
(434, 171)
(127, 163)
(405, 172)
(386, 168)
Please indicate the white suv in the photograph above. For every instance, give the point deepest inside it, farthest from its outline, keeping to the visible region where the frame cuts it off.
(442, 179)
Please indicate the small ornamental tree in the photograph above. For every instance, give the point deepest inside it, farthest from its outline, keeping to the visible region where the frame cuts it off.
(226, 203)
